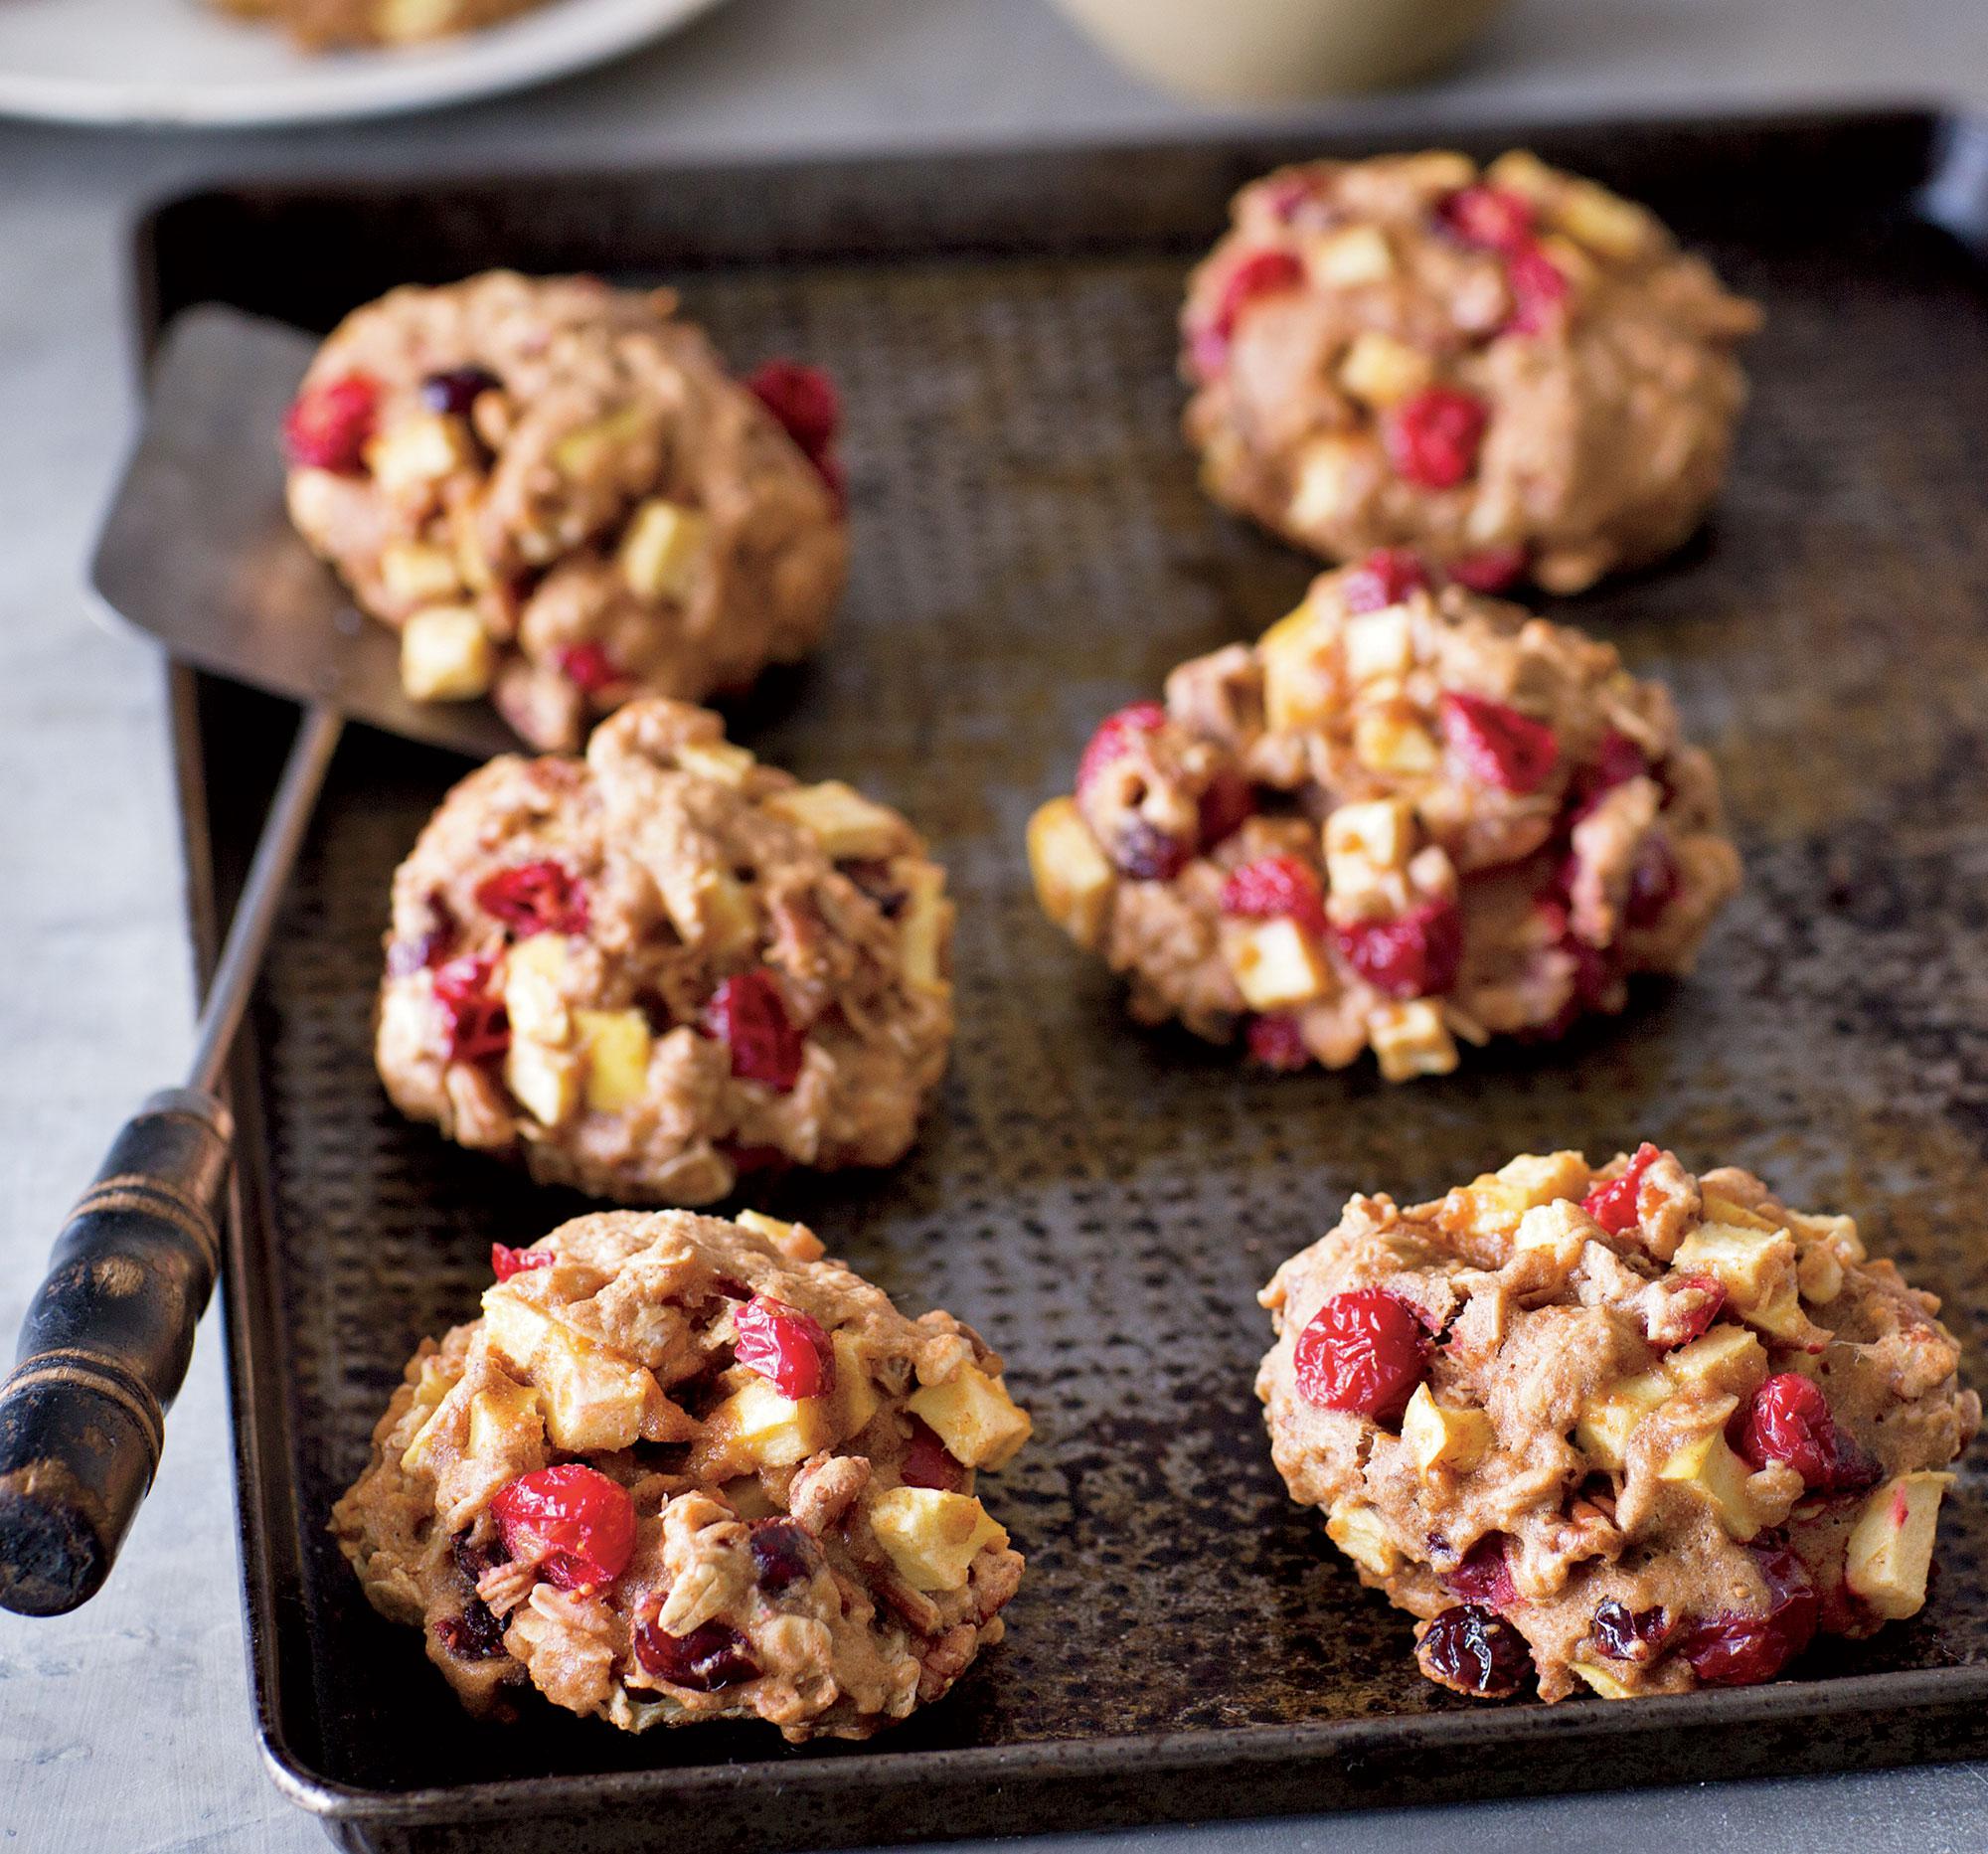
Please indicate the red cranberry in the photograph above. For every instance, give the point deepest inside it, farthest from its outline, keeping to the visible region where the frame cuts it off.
(1417, 955)
(1617, 761)
(802, 399)
(1288, 194)
(1261, 273)
(328, 425)
(1654, 884)
(1431, 437)
(1491, 570)
(1273, 886)
(1276, 1041)
(479, 1028)
(1492, 216)
(1227, 802)
(1116, 737)
(709, 1658)
(782, 1554)
(534, 898)
(575, 1523)
(1497, 744)
(1364, 1351)
(1790, 1420)
(930, 1464)
(407, 956)
(474, 1636)
(785, 1346)
(748, 1014)
(1613, 1205)
(1707, 1298)
(456, 389)
(1470, 1651)
(1539, 292)
(762, 1162)
(1625, 1634)
(1483, 1575)
(506, 1261)
(1732, 1649)
(1385, 577)
(588, 667)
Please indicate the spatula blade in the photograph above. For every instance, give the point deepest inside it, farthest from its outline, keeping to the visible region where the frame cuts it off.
(198, 551)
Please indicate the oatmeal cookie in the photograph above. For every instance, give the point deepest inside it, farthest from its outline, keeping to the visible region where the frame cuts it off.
(1625, 1429)
(666, 963)
(556, 494)
(1408, 815)
(1515, 371)
(685, 1470)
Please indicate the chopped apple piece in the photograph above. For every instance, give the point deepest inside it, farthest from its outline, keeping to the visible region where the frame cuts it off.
(1756, 1268)
(434, 1441)
(795, 1241)
(546, 1082)
(847, 825)
(1384, 742)
(534, 991)
(1439, 1436)
(1819, 1273)
(1560, 1229)
(1379, 643)
(501, 1417)
(1296, 654)
(931, 1536)
(664, 550)
(973, 1415)
(1365, 841)
(1607, 1685)
(1606, 1425)
(1328, 483)
(446, 655)
(1840, 1233)
(1358, 1530)
(1719, 1207)
(616, 1045)
(1276, 964)
(1073, 878)
(855, 1397)
(514, 1328)
(593, 1399)
(1728, 1362)
(926, 924)
(414, 574)
(1380, 371)
(719, 761)
(1411, 1039)
(1604, 222)
(759, 1427)
(1708, 1464)
(584, 450)
(716, 913)
(406, 22)
(418, 451)
(1890, 1546)
(1437, 170)
(1522, 173)
(1358, 254)
(771, 1228)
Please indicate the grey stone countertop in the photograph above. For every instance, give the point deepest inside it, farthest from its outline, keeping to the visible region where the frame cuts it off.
(125, 1727)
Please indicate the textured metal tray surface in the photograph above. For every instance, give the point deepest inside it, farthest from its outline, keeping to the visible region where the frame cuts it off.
(1031, 550)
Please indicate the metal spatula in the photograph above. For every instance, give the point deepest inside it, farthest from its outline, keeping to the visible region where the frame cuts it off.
(197, 550)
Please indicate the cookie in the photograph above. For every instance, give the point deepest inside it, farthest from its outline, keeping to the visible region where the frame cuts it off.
(1409, 816)
(1626, 1430)
(656, 967)
(1514, 371)
(685, 1470)
(556, 494)
(326, 25)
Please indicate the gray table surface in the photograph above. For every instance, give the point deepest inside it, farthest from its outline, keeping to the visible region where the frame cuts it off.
(125, 1727)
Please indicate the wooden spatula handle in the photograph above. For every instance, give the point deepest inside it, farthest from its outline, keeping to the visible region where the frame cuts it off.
(105, 1349)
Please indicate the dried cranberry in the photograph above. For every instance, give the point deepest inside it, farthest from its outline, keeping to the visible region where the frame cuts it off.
(328, 425)
(1470, 1651)
(748, 1014)
(1492, 216)
(1225, 804)
(928, 1462)
(1385, 577)
(1539, 292)
(455, 390)
(1275, 886)
(1261, 273)
(534, 898)
(1497, 744)
(783, 1552)
(785, 1346)
(1417, 955)
(576, 1524)
(1790, 1420)
(406, 956)
(1654, 884)
(589, 667)
(1490, 570)
(802, 399)
(474, 1636)
(1148, 853)
(1707, 1298)
(1625, 1634)
(1286, 194)
(1616, 760)
(1276, 1041)
(1431, 437)
(1733, 1649)
(1483, 1575)
(1364, 1351)
(506, 1261)
(709, 1658)
(479, 1028)
(762, 1162)
(1613, 1205)
(1115, 737)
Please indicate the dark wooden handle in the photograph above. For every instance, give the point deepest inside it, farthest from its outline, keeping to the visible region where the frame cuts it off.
(105, 1349)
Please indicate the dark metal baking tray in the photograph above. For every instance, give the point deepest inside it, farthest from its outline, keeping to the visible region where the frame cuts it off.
(1031, 550)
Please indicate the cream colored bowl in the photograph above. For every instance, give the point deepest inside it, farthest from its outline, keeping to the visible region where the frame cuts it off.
(1281, 50)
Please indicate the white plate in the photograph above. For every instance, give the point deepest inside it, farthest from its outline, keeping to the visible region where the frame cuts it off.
(186, 63)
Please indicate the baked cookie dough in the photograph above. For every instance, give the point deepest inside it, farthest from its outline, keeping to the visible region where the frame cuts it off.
(685, 1470)
(1514, 371)
(327, 25)
(1409, 816)
(1622, 1429)
(666, 965)
(556, 494)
